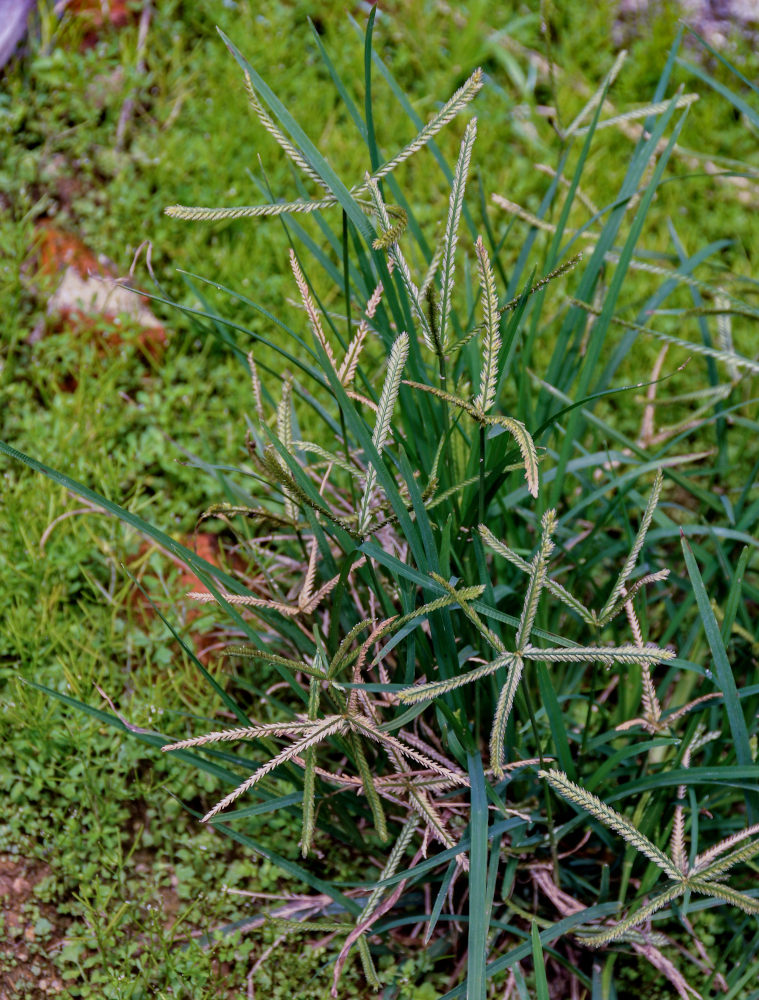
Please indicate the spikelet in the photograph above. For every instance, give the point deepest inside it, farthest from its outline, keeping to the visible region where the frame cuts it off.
(261, 654)
(491, 345)
(432, 269)
(242, 733)
(450, 109)
(374, 300)
(626, 653)
(719, 891)
(399, 261)
(705, 861)
(521, 213)
(730, 358)
(611, 818)
(347, 369)
(501, 718)
(455, 205)
(285, 435)
(557, 272)
(285, 414)
(684, 101)
(632, 590)
(200, 213)
(352, 355)
(388, 397)
(717, 867)
(551, 586)
(227, 510)
(390, 389)
(515, 427)
(368, 728)
(425, 692)
(343, 657)
(633, 920)
(329, 457)
(307, 590)
(255, 383)
(367, 780)
(278, 135)
(537, 580)
(487, 633)
(273, 464)
(526, 446)
(329, 726)
(632, 558)
(598, 94)
(373, 900)
(651, 706)
(313, 315)
(463, 96)
(393, 233)
(422, 612)
(391, 866)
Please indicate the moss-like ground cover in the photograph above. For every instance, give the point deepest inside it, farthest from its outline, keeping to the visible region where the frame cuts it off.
(110, 887)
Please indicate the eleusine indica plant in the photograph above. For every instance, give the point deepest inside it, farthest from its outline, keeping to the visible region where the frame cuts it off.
(439, 592)
(376, 527)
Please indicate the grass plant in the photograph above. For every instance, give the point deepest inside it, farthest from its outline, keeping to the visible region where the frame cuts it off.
(486, 668)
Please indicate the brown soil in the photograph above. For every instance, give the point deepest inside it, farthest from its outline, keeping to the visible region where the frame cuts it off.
(25, 964)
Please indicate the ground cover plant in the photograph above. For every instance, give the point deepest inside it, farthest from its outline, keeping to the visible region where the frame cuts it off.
(403, 477)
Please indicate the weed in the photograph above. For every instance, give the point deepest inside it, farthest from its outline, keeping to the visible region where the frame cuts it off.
(403, 649)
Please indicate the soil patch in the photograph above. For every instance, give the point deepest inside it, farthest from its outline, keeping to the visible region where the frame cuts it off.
(31, 934)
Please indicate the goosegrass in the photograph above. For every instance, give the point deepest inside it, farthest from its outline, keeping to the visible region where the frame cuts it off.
(381, 511)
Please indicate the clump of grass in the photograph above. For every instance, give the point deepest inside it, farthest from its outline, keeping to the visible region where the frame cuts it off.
(444, 578)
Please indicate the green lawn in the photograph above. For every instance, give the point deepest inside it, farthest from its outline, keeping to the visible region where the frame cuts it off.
(111, 887)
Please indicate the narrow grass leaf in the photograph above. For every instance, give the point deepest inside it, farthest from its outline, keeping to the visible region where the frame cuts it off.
(723, 676)
(309, 151)
(556, 721)
(440, 900)
(550, 934)
(476, 981)
(226, 699)
(734, 596)
(345, 903)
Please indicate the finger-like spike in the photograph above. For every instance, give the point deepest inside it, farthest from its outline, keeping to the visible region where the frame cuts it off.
(311, 310)
(317, 732)
(611, 818)
(537, 579)
(502, 713)
(455, 205)
(491, 344)
(636, 547)
(388, 398)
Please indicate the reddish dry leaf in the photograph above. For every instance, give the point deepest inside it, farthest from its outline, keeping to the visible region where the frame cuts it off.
(95, 15)
(205, 545)
(18, 877)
